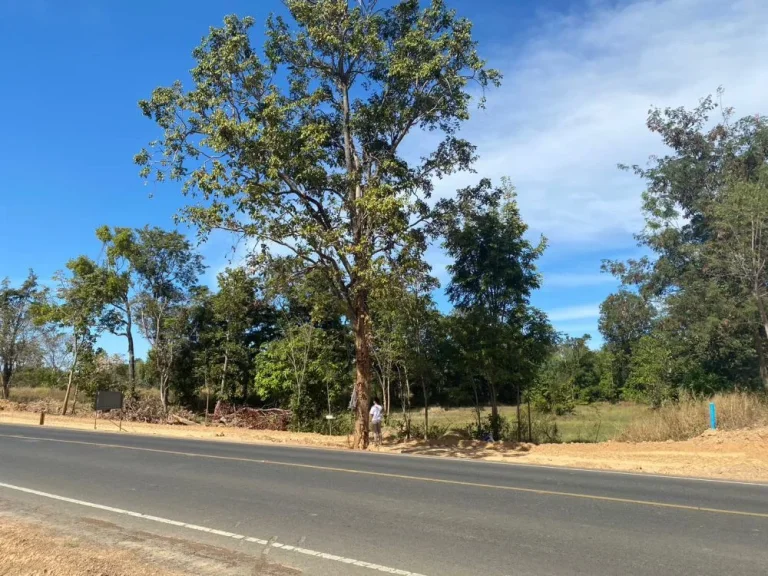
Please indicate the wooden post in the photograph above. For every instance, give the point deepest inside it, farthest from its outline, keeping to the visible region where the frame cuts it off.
(95, 415)
(121, 420)
(42, 417)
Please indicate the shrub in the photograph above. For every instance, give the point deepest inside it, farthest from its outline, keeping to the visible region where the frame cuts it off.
(544, 428)
(504, 431)
(436, 430)
(342, 425)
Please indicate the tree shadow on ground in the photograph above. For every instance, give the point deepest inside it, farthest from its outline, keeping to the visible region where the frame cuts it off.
(457, 447)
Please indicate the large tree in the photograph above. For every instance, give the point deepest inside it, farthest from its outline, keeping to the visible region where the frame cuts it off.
(302, 148)
(15, 325)
(703, 211)
(737, 254)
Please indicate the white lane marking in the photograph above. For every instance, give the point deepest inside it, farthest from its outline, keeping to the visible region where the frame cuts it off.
(225, 534)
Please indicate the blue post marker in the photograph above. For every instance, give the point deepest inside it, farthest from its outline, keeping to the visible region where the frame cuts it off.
(712, 416)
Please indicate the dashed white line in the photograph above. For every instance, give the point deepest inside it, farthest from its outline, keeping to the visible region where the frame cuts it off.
(223, 533)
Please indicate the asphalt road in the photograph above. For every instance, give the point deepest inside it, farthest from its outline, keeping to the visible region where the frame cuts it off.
(435, 517)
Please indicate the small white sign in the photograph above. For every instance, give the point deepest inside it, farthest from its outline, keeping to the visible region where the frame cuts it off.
(330, 417)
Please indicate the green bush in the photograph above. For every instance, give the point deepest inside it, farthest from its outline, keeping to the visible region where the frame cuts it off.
(342, 425)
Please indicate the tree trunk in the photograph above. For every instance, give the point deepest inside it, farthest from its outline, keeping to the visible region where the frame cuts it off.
(207, 397)
(760, 348)
(363, 369)
(74, 397)
(477, 407)
(6, 378)
(131, 353)
(494, 412)
(71, 376)
(164, 392)
(405, 401)
(226, 364)
(388, 395)
(519, 421)
(530, 424)
(426, 408)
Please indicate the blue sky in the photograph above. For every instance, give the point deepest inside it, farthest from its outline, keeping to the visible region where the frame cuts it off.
(579, 79)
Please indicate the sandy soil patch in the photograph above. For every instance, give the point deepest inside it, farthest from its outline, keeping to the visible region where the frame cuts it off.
(738, 455)
(735, 455)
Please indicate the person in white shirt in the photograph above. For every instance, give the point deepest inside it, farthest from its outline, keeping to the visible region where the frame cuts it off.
(376, 416)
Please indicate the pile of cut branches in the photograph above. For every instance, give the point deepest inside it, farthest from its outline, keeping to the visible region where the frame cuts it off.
(251, 418)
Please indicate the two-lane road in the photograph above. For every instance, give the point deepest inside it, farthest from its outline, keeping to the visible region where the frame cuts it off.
(397, 513)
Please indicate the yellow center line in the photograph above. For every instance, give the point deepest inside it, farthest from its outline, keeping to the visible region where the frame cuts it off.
(404, 477)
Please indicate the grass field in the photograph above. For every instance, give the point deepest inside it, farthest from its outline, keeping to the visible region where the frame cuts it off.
(594, 423)
(25, 395)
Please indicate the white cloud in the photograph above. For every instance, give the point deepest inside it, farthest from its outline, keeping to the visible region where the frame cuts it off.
(575, 100)
(569, 313)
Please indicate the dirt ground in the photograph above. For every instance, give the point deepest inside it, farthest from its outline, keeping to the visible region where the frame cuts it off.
(740, 455)
(41, 542)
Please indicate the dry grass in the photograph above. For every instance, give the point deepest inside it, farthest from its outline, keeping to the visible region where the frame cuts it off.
(26, 394)
(689, 418)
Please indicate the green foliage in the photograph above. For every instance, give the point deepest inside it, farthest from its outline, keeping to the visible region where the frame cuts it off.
(625, 317)
(652, 372)
(571, 374)
(705, 211)
(608, 383)
(503, 339)
(242, 322)
(304, 369)
(166, 270)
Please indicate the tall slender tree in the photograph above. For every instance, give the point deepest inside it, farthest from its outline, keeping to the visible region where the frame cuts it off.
(120, 250)
(302, 148)
(77, 307)
(492, 278)
(166, 269)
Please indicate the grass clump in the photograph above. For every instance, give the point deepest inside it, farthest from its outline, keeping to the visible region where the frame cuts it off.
(689, 417)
